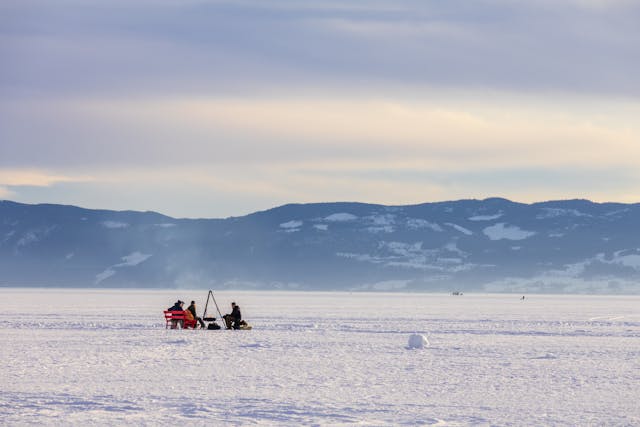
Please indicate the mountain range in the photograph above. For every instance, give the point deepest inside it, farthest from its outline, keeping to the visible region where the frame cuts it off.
(491, 245)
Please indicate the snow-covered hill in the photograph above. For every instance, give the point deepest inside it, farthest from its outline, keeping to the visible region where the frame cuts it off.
(491, 245)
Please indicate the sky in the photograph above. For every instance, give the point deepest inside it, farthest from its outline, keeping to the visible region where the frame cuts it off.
(222, 108)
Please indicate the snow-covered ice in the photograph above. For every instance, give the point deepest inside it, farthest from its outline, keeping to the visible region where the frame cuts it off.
(104, 357)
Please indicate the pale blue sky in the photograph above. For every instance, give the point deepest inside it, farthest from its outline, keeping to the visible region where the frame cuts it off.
(219, 108)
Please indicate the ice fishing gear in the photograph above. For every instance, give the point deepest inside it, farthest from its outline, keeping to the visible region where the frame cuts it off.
(204, 316)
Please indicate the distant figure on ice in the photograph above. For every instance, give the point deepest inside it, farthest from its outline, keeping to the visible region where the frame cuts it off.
(233, 320)
(522, 297)
(177, 306)
(192, 310)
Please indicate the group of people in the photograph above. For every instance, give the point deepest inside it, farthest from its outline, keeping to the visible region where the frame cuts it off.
(189, 313)
(232, 320)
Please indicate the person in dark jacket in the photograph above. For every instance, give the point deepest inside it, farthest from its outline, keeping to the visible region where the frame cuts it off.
(192, 309)
(177, 306)
(233, 320)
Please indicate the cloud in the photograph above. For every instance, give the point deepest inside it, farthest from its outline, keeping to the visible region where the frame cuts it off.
(453, 135)
(579, 46)
(35, 178)
(5, 192)
(151, 104)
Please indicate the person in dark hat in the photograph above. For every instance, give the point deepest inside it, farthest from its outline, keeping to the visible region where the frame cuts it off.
(177, 306)
(192, 310)
(233, 320)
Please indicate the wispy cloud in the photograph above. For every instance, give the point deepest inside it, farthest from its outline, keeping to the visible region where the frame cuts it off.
(5, 192)
(35, 178)
(257, 103)
(580, 46)
(448, 135)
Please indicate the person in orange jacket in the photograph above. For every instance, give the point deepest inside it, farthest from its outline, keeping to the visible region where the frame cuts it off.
(192, 311)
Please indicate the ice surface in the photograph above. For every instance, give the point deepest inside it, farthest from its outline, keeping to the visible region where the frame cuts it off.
(103, 357)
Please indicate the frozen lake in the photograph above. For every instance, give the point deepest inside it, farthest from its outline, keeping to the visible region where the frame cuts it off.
(104, 357)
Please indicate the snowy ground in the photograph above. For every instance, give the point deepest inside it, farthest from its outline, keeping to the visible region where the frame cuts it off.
(99, 357)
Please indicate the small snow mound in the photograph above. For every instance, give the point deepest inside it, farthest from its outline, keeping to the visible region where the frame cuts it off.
(417, 341)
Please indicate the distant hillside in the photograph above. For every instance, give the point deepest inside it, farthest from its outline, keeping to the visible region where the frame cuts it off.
(465, 245)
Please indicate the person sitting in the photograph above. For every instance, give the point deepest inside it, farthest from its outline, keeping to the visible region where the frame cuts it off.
(233, 320)
(177, 307)
(192, 309)
(189, 320)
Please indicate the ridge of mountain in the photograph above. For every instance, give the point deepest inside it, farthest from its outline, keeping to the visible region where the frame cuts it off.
(490, 245)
